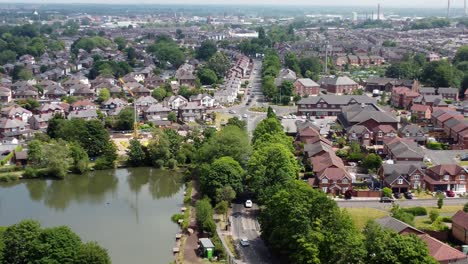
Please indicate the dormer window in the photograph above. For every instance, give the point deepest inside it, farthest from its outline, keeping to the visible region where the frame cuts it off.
(380, 134)
(462, 177)
(324, 180)
(353, 135)
(392, 134)
(446, 177)
(407, 134)
(366, 135)
(345, 181)
(416, 177)
(400, 181)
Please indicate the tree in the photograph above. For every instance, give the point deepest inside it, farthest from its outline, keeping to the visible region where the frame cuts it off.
(159, 151)
(387, 192)
(372, 162)
(121, 43)
(204, 214)
(440, 202)
(267, 126)
(441, 74)
(80, 158)
(166, 50)
(271, 166)
(104, 95)
(136, 155)
(269, 87)
(235, 121)
(271, 113)
(433, 215)
(125, 119)
(207, 76)
(21, 242)
(179, 34)
(387, 247)
(304, 226)
(224, 171)
(465, 208)
(218, 63)
(226, 193)
(310, 67)
(58, 245)
(292, 62)
(35, 153)
(206, 50)
(461, 55)
(159, 94)
(172, 117)
(92, 253)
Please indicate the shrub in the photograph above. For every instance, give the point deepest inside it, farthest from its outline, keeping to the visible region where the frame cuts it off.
(434, 146)
(172, 163)
(465, 208)
(159, 163)
(399, 214)
(176, 217)
(103, 163)
(438, 225)
(8, 178)
(440, 202)
(387, 192)
(446, 219)
(433, 215)
(416, 211)
(341, 153)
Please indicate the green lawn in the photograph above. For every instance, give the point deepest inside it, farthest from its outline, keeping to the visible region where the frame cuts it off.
(360, 216)
(445, 208)
(463, 163)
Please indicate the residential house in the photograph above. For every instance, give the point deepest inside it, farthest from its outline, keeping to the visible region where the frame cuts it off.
(14, 128)
(175, 102)
(113, 103)
(402, 150)
(338, 85)
(414, 132)
(83, 91)
(441, 252)
(191, 111)
(51, 108)
(427, 91)
(441, 116)
(203, 100)
(16, 112)
(446, 177)
(5, 95)
(448, 93)
(305, 86)
(330, 105)
(402, 97)
(185, 75)
(156, 112)
(430, 100)
(285, 75)
(86, 114)
(460, 226)
(402, 178)
(420, 113)
(359, 134)
(40, 121)
(141, 91)
(144, 102)
(330, 174)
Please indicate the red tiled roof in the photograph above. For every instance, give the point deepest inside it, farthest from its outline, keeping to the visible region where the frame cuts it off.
(385, 128)
(461, 219)
(441, 251)
(443, 169)
(334, 173)
(420, 108)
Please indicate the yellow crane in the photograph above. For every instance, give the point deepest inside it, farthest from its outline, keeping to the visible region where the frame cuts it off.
(135, 112)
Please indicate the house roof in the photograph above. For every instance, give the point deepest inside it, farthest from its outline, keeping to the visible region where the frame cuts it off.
(427, 90)
(441, 251)
(461, 219)
(447, 90)
(396, 225)
(338, 99)
(419, 108)
(412, 129)
(340, 80)
(443, 169)
(405, 149)
(308, 82)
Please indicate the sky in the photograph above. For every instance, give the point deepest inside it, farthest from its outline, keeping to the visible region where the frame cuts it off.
(388, 3)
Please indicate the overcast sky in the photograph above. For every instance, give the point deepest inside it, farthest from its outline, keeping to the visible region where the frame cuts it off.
(388, 3)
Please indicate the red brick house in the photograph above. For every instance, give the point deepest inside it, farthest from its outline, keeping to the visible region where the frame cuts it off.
(402, 97)
(460, 226)
(330, 174)
(402, 177)
(446, 177)
(306, 86)
(420, 112)
(339, 85)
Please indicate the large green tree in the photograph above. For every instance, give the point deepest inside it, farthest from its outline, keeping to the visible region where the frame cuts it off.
(224, 171)
(206, 50)
(92, 253)
(441, 74)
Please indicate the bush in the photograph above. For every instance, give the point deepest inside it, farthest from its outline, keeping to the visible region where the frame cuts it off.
(103, 163)
(446, 219)
(172, 163)
(176, 217)
(433, 215)
(387, 192)
(342, 153)
(434, 146)
(465, 208)
(8, 178)
(416, 211)
(219, 249)
(401, 215)
(440, 202)
(159, 163)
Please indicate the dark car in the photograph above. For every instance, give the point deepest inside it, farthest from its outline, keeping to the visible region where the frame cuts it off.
(386, 200)
(408, 195)
(450, 193)
(397, 195)
(464, 157)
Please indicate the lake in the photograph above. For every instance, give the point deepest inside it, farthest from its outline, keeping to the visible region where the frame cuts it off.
(127, 211)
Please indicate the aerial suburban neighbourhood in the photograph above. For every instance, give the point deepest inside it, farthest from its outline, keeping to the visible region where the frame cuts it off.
(221, 133)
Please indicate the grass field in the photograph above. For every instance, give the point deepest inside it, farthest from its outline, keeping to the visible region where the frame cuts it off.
(360, 216)
(445, 208)
(463, 163)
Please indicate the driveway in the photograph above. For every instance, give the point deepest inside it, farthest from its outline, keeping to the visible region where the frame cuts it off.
(403, 203)
(245, 225)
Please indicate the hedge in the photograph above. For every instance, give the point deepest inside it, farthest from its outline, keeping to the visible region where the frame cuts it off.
(416, 211)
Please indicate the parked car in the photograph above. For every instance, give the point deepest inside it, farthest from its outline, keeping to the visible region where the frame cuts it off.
(232, 111)
(464, 157)
(408, 195)
(450, 193)
(440, 193)
(245, 116)
(386, 200)
(248, 204)
(244, 242)
(397, 195)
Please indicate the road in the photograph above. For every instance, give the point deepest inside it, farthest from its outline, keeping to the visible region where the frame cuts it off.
(255, 96)
(438, 157)
(245, 225)
(402, 203)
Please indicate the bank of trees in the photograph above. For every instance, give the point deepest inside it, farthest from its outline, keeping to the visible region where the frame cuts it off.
(28, 242)
(90, 135)
(90, 43)
(166, 50)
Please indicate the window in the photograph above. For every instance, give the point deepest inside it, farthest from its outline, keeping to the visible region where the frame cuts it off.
(416, 177)
(407, 134)
(380, 134)
(366, 135)
(353, 135)
(324, 189)
(462, 177)
(446, 177)
(400, 181)
(319, 105)
(325, 180)
(344, 181)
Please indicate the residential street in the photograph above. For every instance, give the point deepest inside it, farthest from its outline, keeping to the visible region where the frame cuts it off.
(245, 225)
(403, 203)
(438, 157)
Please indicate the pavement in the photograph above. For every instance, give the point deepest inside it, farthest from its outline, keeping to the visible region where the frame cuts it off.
(245, 225)
(403, 203)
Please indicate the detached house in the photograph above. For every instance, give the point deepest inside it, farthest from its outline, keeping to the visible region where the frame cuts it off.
(175, 102)
(448, 93)
(203, 100)
(414, 132)
(156, 112)
(16, 112)
(338, 85)
(14, 128)
(306, 86)
(330, 174)
(330, 105)
(446, 177)
(191, 111)
(402, 178)
(402, 97)
(460, 226)
(403, 151)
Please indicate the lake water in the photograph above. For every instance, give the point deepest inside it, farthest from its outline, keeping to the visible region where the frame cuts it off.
(127, 211)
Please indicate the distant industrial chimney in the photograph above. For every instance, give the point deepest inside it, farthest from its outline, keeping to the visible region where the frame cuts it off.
(448, 8)
(464, 8)
(378, 11)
